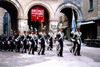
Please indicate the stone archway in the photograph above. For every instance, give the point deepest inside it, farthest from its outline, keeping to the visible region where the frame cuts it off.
(18, 7)
(44, 4)
(12, 10)
(35, 22)
(70, 5)
(67, 9)
(15, 11)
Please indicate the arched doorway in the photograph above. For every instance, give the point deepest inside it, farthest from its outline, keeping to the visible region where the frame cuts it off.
(12, 10)
(65, 19)
(66, 9)
(38, 18)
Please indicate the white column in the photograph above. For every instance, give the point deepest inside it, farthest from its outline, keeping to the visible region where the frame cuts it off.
(23, 25)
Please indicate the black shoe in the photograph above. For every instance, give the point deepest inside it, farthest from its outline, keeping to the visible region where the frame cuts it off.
(79, 55)
(22, 51)
(70, 51)
(50, 49)
(42, 54)
(74, 54)
(33, 53)
(61, 56)
(38, 53)
(58, 55)
(29, 53)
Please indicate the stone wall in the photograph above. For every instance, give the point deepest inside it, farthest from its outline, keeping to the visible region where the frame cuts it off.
(87, 13)
(99, 8)
(2, 11)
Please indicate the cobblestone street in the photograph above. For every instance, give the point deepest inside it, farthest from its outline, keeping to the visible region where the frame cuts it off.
(90, 58)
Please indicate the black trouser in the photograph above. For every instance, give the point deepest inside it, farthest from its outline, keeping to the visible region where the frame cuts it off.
(25, 46)
(73, 47)
(18, 46)
(77, 49)
(0, 45)
(42, 49)
(61, 48)
(33, 47)
(51, 44)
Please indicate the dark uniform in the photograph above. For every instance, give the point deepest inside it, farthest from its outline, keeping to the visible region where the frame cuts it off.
(73, 39)
(50, 39)
(36, 41)
(78, 43)
(42, 43)
(11, 44)
(0, 42)
(32, 45)
(60, 46)
(17, 42)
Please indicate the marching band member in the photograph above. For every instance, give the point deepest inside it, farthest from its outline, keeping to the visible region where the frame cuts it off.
(73, 39)
(36, 40)
(78, 42)
(50, 39)
(60, 40)
(17, 41)
(32, 40)
(42, 43)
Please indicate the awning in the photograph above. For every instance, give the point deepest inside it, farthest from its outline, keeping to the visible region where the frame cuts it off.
(88, 22)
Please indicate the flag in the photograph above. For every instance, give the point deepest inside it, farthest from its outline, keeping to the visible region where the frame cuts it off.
(73, 27)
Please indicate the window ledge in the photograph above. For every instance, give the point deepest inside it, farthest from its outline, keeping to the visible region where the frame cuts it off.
(90, 10)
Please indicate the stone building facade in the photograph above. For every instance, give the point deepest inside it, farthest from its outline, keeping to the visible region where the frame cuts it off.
(1, 20)
(91, 16)
(19, 11)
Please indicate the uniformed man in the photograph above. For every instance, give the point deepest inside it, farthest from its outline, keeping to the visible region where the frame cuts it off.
(78, 42)
(10, 43)
(27, 45)
(0, 42)
(32, 40)
(50, 39)
(73, 39)
(42, 43)
(17, 41)
(24, 42)
(36, 40)
(3, 42)
(60, 40)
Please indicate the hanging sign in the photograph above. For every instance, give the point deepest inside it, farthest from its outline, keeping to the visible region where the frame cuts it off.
(37, 13)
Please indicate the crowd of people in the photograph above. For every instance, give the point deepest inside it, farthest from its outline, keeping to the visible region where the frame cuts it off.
(33, 41)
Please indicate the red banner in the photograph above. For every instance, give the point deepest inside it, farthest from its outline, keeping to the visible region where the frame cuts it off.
(37, 13)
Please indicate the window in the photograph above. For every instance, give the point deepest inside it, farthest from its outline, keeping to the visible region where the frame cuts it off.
(91, 4)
